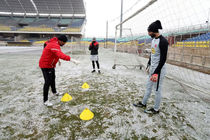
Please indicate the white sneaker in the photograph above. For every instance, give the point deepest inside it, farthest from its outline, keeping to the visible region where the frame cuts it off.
(48, 103)
(58, 94)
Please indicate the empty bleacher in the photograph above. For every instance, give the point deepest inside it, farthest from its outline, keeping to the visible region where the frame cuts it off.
(4, 28)
(42, 15)
(71, 30)
(27, 20)
(77, 22)
(43, 6)
(202, 41)
(40, 24)
(37, 29)
(203, 37)
(7, 21)
(65, 21)
(61, 6)
(45, 21)
(4, 7)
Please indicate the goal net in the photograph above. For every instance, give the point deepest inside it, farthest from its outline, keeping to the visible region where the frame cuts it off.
(76, 46)
(126, 50)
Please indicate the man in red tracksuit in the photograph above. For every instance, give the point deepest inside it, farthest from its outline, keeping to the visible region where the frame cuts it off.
(50, 56)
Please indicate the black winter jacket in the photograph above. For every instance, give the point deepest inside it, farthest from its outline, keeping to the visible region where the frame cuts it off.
(94, 48)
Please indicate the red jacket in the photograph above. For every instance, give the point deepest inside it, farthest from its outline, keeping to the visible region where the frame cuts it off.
(51, 54)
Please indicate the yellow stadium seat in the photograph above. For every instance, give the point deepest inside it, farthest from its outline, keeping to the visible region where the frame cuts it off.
(4, 28)
(37, 29)
(24, 41)
(72, 30)
(40, 42)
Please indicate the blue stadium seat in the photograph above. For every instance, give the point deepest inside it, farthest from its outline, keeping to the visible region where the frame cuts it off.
(203, 37)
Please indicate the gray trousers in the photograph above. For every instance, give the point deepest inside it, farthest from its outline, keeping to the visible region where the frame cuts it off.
(150, 85)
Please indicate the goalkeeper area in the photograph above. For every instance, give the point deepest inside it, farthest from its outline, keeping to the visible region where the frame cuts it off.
(184, 111)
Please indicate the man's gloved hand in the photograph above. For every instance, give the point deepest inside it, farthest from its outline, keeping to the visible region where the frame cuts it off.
(154, 78)
(75, 61)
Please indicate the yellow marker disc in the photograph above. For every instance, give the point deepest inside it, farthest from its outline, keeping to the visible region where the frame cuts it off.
(86, 115)
(85, 86)
(66, 97)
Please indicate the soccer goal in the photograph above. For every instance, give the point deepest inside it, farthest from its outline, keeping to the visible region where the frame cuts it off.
(77, 46)
(126, 51)
(126, 48)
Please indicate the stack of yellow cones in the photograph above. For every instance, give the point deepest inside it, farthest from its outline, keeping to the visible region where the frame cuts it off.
(66, 98)
(86, 115)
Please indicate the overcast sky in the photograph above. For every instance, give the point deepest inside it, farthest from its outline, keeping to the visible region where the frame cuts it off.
(98, 12)
(172, 13)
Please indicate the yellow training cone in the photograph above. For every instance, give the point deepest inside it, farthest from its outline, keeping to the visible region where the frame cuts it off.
(85, 86)
(86, 115)
(66, 97)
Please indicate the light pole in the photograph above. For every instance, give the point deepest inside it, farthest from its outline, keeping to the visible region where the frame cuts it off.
(106, 32)
(121, 18)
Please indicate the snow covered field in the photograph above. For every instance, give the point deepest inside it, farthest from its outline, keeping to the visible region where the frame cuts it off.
(184, 113)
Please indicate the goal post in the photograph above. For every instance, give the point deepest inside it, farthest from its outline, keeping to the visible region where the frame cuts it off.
(129, 38)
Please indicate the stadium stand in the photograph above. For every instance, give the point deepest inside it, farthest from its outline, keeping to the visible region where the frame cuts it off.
(43, 6)
(40, 42)
(77, 22)
(65, 6)
(50, 24)
(71, 30)
(42, 28)
(64, 21)
(202, 41)
(4, 28)
(27, 20)
(203, 37)
(24, 40)
(42, 16)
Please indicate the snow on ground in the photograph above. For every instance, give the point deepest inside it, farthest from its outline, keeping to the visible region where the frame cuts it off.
(184, 111)
(13, 49)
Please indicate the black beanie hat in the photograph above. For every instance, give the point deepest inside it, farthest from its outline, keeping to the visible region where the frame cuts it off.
(155, 26)
(63, 38)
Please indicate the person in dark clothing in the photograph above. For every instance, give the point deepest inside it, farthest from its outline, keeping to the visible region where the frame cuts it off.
(156, 66)
(94, 54)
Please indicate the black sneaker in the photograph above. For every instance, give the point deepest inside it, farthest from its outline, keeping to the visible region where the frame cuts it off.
(139, 104)
(151, 111)
(93, 71)
(99, 71)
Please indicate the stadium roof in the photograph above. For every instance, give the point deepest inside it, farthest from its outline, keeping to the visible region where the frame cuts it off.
(43, 7)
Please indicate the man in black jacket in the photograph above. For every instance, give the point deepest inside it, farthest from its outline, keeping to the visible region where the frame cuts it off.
(94, 54)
